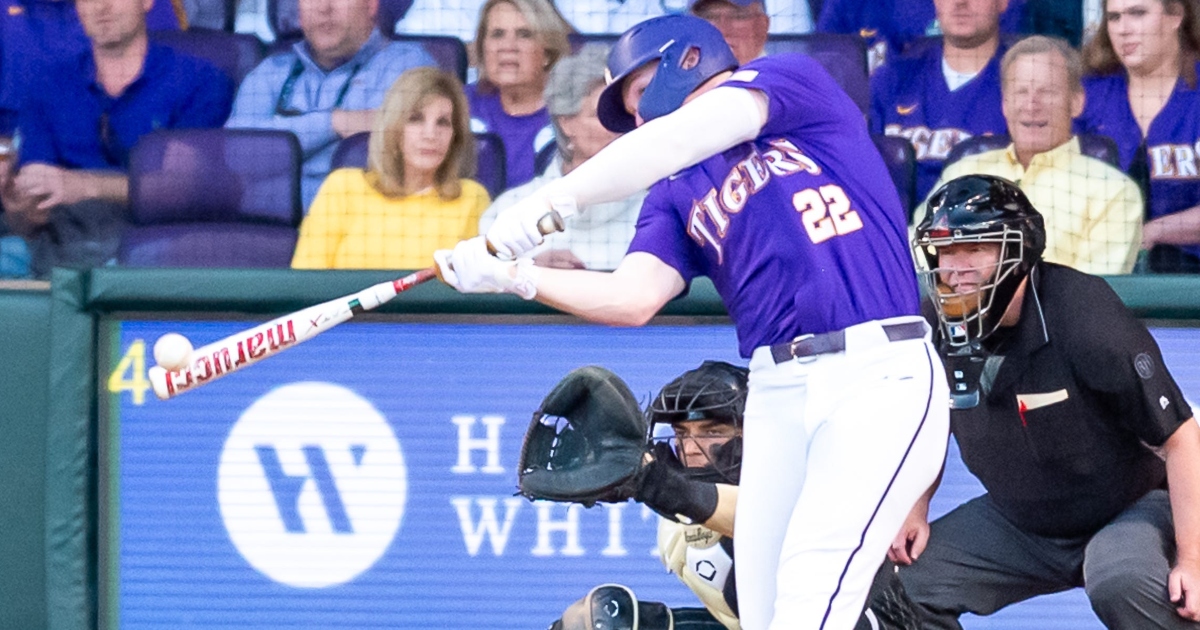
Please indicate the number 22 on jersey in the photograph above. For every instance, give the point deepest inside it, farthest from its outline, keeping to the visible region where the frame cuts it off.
(826, 212)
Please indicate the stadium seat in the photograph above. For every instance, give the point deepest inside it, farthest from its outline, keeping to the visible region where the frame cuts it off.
(1093, 145)
(449, 52)
(977, 144)
(351, 152)
(844, 56)
(235, 54)
(901, 163)
(490, 170)
(213, 198)
(1100, 147)
(220, 15)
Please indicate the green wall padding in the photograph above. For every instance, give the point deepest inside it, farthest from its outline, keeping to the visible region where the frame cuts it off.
(70, 457)
(24, 398)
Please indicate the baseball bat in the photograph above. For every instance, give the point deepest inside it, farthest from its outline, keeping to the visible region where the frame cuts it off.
(240, 350)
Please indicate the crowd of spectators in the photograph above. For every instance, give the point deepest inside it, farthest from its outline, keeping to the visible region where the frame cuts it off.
(1090, 106)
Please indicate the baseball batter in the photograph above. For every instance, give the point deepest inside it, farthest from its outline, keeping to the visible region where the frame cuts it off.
(767, 183)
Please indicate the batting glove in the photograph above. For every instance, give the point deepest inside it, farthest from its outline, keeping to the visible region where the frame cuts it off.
(517, 231)
(469, 268)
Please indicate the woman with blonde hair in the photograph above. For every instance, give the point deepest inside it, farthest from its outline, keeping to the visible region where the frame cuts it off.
(1143, 94)
(412, 198)
(516, 44)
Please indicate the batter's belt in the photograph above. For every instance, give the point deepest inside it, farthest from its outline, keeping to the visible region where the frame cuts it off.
(806, 346)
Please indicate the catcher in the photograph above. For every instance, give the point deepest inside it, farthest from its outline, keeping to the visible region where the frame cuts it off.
(589, 442)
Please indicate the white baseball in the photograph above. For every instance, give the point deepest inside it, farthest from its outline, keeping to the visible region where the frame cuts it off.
(172, 351)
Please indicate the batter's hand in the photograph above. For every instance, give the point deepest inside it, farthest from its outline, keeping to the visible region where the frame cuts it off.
(517, 229)
(469, 268)
(910, 542)
(1183, 585)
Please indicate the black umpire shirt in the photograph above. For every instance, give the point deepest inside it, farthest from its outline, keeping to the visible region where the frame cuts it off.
(1059, 440)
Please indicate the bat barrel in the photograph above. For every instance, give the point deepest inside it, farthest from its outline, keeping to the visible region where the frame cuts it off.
(233, 353)
(248, 347)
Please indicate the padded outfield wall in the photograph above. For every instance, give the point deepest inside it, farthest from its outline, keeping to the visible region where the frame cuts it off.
(363, 479)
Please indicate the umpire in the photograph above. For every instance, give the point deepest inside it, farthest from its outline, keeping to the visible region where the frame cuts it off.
(1063, 408)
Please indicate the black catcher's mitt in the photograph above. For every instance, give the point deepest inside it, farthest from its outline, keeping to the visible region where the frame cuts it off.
(586, 441)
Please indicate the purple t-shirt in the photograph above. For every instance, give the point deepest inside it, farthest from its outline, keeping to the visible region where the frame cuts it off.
(800, 230)
(910, 99)
(1172, 147)
(523, 136)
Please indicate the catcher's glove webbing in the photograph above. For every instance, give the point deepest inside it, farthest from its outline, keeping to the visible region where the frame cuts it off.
(586, 441)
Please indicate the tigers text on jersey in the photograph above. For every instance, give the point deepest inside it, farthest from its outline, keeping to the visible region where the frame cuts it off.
(800, 230)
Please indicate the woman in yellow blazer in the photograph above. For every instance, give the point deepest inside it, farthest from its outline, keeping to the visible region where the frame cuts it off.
(413, 197)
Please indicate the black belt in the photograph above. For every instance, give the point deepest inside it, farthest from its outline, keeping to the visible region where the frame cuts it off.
(831, 342)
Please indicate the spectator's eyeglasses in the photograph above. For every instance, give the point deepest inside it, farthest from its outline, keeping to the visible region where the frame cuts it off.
(285, 95)
(110, 146)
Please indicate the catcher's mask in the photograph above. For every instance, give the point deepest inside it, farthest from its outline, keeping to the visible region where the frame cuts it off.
(713, 392)
(587, 437)
(977, 209)
(614, 607)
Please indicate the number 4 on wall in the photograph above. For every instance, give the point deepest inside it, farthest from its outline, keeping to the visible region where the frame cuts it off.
(826, 212)
(132, 362)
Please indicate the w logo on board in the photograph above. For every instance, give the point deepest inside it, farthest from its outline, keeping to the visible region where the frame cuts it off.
(312, 485)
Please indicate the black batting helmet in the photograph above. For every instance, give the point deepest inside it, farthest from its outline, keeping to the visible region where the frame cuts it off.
(978, 209)
(714, 391)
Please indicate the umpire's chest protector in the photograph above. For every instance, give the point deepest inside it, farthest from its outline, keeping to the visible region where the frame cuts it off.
(1053, 439)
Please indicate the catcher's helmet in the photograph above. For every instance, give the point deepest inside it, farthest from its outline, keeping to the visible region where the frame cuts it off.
(669, 40)
(978, 209)
(714, 391)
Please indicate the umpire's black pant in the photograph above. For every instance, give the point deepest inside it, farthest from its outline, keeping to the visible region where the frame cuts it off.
(979, 562)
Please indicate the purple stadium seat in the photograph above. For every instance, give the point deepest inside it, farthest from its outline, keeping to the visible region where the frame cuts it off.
(351, 152)
(213, 198)
(844, 56)
(977, 144)
(1100, 147)
(220, 15)
(449, 52)
(1093, 145)
(235, 54)
(490, 170)
(901, 163)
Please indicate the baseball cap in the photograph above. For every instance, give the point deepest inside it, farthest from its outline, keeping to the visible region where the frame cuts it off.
(739, 3)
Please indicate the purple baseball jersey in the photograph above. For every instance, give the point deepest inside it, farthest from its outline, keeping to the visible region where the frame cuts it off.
(891, 25)
(910, 99)
(1171, 147)
(523, 136)
(800, 230)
